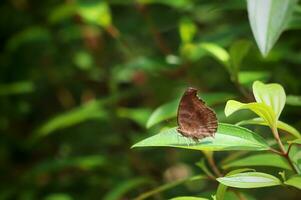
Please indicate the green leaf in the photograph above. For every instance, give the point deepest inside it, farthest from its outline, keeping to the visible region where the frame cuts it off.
(297, 141)
(16, 88)
(237, 52)
(169, 110)
(271, 94)
(248, 77)
(167, 186)
(96, 13)
(249, 180)
(268, 19)
(294, 181)
(219, 53)
(58, 196)
(138, 115)
(261, 109)
(91, 110)
(228, 137)
(187, 30)
(271, 160)
(188, 198)
(293, 100)
(221, 189)
(122, 188)
(280, 125)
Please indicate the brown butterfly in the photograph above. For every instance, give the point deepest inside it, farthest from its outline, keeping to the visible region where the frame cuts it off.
(195, 119)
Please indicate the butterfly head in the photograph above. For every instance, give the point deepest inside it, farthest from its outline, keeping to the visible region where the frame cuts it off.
(191, 91)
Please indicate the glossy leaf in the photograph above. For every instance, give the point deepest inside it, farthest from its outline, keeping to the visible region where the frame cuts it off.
(221, 189)
(268, 19)
(294, 181)
(281, 125)
(271, 94)
(270, 160)
(169, 110)
(249, 180)
(228, 137)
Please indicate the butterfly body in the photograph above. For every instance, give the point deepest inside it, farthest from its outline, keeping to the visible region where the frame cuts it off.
(195, 119)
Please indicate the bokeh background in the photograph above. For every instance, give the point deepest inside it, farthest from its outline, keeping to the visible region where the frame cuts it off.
(79, 80)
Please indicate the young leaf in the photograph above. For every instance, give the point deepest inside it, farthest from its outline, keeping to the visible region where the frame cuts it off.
(261, 109)
(249, 180)
(228, 137)
(260, 160)
(268, 19)
(281, 125)
(294, 181)
(271, 94)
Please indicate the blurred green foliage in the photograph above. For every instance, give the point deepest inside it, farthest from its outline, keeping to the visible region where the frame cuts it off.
(79, 79)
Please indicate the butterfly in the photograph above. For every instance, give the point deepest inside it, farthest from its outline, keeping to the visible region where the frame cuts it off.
(195, 119)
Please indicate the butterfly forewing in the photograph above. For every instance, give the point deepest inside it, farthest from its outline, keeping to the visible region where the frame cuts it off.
(195, 119)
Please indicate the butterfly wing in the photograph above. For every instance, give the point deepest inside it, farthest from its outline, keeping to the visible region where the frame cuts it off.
(195, 119)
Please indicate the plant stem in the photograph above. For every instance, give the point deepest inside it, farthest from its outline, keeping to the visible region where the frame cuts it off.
(276, 135)
(213, 165)
(284, 153)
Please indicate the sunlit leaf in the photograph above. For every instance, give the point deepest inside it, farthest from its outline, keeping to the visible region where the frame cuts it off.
(228, 137)
(271, 160)
(271, 94)
(169, 110)
(187, 30)
(293, 100)
(268, 19)
(249, 180)
(294, 181)
(281, 125)
(96, 13)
